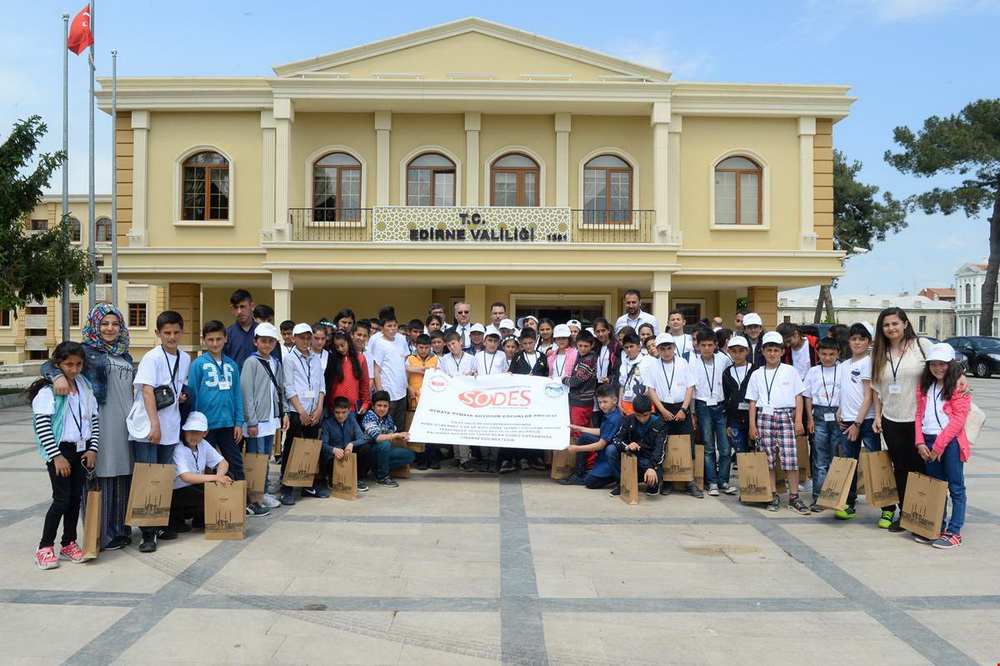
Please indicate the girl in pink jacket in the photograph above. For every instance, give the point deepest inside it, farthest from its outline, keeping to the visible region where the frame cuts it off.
(941, 442)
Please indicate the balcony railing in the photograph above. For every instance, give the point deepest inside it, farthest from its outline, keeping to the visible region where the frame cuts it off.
(492, 225)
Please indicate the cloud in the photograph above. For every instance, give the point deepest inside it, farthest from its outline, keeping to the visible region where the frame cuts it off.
(652, 50)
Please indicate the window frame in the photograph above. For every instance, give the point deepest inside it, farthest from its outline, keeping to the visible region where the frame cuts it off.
(6, 318)
(434, 171)
(75, 315)
(75, 228)
(103, 221)
(144, 313)
(178, 198)
(608, 222)
(763, 187)
(520, 173)
(360, 168)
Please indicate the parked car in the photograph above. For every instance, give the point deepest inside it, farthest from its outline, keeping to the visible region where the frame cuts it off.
(982, 353)
(959, 356)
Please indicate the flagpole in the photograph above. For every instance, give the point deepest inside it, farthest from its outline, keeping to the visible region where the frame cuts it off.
(114, 178)
(65, 167)
(92, 247)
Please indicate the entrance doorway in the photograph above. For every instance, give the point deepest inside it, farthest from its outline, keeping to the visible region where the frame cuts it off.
(560, 314)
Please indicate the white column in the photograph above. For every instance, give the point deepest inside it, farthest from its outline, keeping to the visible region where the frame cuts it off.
(284, 116)
(281, 283)
(675, 233)
(140, 177)
(383, 169)
(807, 134)
(267, 208)
(660, 121)
(661, 297)
(563, 125)
(473, 124)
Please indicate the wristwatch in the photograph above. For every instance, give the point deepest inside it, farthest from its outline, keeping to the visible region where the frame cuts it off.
(857, 425)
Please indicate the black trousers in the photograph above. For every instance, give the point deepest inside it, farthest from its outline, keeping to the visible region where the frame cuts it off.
(223, 440)
(900, 438)
(186, 503)
(397, 410)
(67, 494)
(295, 429)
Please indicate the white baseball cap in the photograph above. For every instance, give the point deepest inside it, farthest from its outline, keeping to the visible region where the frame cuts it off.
(941, 352)
(523, 320)
(196, 421)
(738, 341)
(506, 323)
(561, 331)
(477, 328)
(772, 336)
(266, 330)
(574, 322)
(302, 328)
(752, 319)
(871, 329)
(665, 339)
(492, 329)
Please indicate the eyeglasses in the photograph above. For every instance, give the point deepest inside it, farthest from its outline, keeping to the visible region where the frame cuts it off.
(462, 311)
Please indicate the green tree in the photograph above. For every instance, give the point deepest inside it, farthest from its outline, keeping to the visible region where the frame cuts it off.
(966, 144)
(34, 265)
(860, 219)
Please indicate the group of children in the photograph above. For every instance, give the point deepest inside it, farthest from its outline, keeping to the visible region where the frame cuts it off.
(355, 385)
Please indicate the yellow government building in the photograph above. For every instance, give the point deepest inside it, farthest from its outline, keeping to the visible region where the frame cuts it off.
(473, 161)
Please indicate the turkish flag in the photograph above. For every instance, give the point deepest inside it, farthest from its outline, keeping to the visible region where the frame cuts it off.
(80, 34)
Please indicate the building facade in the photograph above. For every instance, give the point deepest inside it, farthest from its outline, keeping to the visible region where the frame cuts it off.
(933, 318)
(969, 280)
(474, 161)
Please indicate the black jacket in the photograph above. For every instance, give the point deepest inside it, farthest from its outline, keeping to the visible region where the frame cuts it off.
(652, 445)
(736, 393)
(519, 365)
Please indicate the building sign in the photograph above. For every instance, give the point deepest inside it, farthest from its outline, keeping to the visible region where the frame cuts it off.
(492, 226)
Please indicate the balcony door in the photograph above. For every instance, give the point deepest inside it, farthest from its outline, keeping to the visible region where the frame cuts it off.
(514, 181)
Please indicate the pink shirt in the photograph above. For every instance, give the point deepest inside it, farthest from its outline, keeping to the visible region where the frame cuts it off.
(957, 409)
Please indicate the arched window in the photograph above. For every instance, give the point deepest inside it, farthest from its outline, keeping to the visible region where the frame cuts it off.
(103, 230)
(738, 191)
(514, 179)
(74, 230)
(430, 181)
(607, 190)
(206, 187)
(337, 188)
(968, 293)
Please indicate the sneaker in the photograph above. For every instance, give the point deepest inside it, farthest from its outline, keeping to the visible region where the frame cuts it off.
(572, 480)
(895, 527)
(270, 501)
(435, 465)
(45, 558)
(948, 540)
(846, 513)
(148, 544)
(653, 489)
(170, 533)
(728, 489)
(71, 552)
(388, 482)
(362, 486)
(181, 528)
(254, 509)
(321, 492)
(310, 492)
(467, 466)
(798, 506)
(422, 466)
(537, 464)
(713, 489)
(287, 497)
(774, 504)
(118, 543)
(507, 466)
(494, 467)
(886, 519)
(816, 508)
(924, 540)
(523, 463)
(666, 488)
(694, 491)
(615, 492)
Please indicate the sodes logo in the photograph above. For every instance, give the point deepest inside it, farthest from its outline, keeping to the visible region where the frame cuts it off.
(437, 383)
(496, 398)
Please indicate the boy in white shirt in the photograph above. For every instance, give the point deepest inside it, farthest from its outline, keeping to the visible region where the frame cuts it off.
(822, 400)
(192, 460)
(389, 358)
(709, 367)
(670, 385)
(776, 390)
(682, 341)
(162, 367)
(458, 363)
(304, 398)
(630, 374)
(490, 361)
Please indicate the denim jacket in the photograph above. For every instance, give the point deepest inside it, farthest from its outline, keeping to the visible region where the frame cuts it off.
(95, 370)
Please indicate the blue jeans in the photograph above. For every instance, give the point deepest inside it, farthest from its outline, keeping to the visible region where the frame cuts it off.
(581, 458)
(614, 458)
(389, 457)
(853, 450)
(949, 467)
(154, 454)
(718, 457)
(741, 436)
(827, 442)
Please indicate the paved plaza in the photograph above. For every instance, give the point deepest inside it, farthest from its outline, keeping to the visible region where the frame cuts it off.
(465, 569)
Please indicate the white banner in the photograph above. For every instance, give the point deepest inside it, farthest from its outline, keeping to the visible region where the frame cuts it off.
(509, 411)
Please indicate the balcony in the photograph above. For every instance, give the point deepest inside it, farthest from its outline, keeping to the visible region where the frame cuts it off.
(450, 225)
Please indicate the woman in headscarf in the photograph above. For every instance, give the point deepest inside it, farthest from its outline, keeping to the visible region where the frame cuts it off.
(110, 371)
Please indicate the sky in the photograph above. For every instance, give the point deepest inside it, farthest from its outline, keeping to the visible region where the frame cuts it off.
(905, 60)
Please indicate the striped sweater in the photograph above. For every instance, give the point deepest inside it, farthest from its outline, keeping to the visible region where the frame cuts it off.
(49, 427)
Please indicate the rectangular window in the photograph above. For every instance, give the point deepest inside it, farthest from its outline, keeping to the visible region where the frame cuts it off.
(922, 325)
(748, 198)
(137, 315)
(5, 318)
(194, 193)
(444, 188)
(725, 197)
(74, 315)
(418, 188)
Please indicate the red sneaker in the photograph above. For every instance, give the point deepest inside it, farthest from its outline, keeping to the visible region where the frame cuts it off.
(71, 552)
(45, 558)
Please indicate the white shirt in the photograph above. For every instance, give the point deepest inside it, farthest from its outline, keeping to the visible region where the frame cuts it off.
(639, 320)
(683, 344)
(303, 379)
(628, 378)
(491, 364)
(935, 420)
(670, 380)
(194, 461)
(390, 358)
(800, 360)
(76, 416)
(463, 330)
(401, 341)
(154, 371)
(823, 385)
(324, 356)
(853, 374)
(708, 377)
(533, 359)
(775, 388)
(464, 365)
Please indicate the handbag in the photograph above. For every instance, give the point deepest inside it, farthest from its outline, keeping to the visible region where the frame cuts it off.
(974, 423)
(164, 393)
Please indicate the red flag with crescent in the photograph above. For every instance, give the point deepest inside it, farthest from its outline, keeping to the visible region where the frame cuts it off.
(80, 34)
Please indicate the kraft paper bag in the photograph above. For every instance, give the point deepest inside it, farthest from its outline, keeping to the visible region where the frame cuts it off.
(754, 477)
(677, 463)
(416, 447)
(699, 465)
(862, 486)
(225, 511)
(345, 477)
(630, 479)
(401, 472)
(276, 447)
(802, 453)
(255, 469)
(150, 496)
(92, 524)
(303, 462)
(880, 479)
(923, 505)
(837, 485)
(563, 464)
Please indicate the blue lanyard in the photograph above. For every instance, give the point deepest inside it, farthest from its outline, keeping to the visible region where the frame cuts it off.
(935, 394)
(307, 366)
(826, 391)
(771, 385)
(670, 382)
(711, 380)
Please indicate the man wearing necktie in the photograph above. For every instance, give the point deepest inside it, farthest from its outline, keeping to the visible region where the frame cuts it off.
(463, 321)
